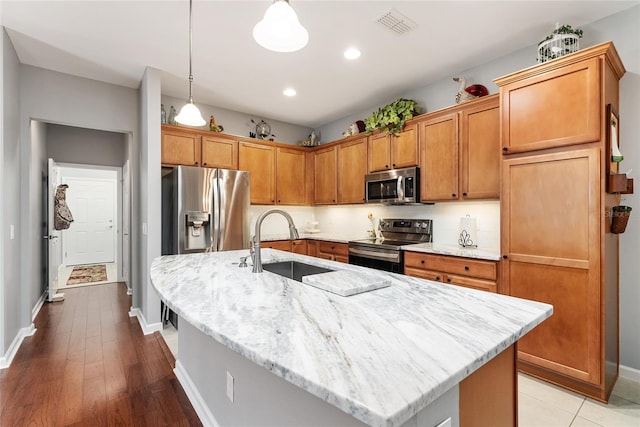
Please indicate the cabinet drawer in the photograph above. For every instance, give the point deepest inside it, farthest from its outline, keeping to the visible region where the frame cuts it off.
(454, 265)
(333, 248)
(468, 282)
(299, 246)
(281, 245)
(435, 276)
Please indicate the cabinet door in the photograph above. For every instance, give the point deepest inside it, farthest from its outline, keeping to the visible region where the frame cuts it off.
(219, 152)
(550, 212)
(299, 247)
(480, 151)
(352, 167)
(404, 148)
(325, 176)
(556, 108)
(379, 152)
(180, 148)
(290, 176)
(439, 158)
(259, 160)
(470, 282)
(312, 248)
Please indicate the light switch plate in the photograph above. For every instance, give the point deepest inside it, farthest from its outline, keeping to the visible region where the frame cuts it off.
(230, 387)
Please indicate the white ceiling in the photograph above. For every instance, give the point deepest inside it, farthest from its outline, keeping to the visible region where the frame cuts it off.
(113, 41)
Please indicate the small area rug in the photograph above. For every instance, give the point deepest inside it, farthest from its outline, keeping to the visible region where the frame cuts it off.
(88, 274)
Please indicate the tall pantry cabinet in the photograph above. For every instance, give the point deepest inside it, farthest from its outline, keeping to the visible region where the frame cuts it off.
(556, 240)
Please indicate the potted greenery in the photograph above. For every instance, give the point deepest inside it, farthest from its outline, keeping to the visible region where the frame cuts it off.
(392, 117)
(562, 41)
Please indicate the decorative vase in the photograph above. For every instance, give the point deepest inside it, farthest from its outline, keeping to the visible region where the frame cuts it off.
(619, 218)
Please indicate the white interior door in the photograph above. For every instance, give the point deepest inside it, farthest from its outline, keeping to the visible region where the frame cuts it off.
(92, 235)
(54, 245)
(126, 219)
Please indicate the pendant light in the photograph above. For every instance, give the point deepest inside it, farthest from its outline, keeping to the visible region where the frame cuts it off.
(280, 30)
(189, 114)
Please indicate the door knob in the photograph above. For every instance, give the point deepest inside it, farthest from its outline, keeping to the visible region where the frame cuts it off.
(49, 237)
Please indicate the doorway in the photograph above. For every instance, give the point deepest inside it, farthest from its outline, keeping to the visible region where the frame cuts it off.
(90, 246)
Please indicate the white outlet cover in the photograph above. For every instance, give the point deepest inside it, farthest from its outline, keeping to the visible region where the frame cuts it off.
(229, 386)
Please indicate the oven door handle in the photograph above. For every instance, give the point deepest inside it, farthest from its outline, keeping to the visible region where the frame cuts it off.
(401, 188)
(375, 254)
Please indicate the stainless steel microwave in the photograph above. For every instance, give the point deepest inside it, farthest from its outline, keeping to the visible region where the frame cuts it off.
(396, 186)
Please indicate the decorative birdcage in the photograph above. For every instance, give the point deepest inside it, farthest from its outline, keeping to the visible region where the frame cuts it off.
(563, 41)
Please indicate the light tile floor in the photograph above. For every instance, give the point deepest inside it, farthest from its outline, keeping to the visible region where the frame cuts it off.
(544, 405)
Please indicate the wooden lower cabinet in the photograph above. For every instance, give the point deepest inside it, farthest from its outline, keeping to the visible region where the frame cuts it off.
(281, 245)
(299, 247)
(488, 397)
(452, 270)
(331, 250)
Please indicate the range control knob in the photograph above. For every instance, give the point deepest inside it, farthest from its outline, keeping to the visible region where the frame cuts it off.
(425, 225)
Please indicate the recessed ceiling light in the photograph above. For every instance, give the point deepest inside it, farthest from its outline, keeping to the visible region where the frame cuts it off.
(289, 92)
(352, 53)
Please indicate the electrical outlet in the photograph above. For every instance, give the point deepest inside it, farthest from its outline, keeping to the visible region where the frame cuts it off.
(445, 423)
(229, 386)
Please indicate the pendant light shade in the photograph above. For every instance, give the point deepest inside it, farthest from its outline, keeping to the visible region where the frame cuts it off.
(280, 30)
(189, 114)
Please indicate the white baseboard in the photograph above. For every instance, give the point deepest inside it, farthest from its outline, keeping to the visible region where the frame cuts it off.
(147, 328)
(5, 361)
(36, 309)
(630, 373)
(129, 291)
(205, 415)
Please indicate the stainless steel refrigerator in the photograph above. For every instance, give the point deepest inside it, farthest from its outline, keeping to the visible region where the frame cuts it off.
(204, 209)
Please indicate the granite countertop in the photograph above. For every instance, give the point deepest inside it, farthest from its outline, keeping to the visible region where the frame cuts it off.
(380, 356)
(440, 249)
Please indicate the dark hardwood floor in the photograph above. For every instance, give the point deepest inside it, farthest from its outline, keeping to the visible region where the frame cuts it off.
(89, 364)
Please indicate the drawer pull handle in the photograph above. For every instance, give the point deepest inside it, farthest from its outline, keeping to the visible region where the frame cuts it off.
(437, 278)
(449, 280)
(421, 261)
(466, 268)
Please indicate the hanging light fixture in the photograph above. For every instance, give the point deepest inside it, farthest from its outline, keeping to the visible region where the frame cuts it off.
(280, 29)
(189, 114)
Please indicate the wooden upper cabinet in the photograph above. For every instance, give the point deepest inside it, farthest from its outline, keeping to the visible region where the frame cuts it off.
(180, 148)
(352, 167)
(556, 108)
(290, 176)
(393, 152)
(480, 151)
(325, 162)
(259, 160)
(218, 152)
(439, 158)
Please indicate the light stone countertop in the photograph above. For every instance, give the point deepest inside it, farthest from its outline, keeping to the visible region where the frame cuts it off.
(381, 356)
(440, 249)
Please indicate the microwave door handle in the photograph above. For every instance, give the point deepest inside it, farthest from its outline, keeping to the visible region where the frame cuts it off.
(401, 187)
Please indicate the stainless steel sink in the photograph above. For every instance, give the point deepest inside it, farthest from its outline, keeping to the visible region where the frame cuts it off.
(293, 269)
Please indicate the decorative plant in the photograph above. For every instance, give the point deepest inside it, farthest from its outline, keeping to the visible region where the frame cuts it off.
(562, 41)
(392, 117)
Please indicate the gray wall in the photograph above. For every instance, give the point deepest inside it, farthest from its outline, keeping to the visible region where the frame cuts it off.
(624, 31)
(10, 283)
(237, 123)
(85, 146)
(52, 97)
(151, 200)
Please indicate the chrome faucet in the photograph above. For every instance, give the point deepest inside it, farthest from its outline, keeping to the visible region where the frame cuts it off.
(255, 248)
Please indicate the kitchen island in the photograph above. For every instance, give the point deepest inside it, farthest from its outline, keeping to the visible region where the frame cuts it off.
(300, 355)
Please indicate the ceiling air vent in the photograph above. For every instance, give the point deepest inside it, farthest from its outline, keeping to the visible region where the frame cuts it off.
(396, 21)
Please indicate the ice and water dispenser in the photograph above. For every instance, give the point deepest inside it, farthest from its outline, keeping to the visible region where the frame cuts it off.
(197, 229)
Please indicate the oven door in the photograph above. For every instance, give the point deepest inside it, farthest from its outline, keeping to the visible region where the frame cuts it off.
(379, 259)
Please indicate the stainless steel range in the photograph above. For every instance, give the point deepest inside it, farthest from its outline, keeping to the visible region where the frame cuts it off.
(384, 253)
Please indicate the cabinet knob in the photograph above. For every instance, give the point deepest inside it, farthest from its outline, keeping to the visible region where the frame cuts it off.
(195, 163)
(421, 261)
(437, 278)
(386, 166)
(334, 200)
(466, 268)
(464, 194)
(505, 149)
(449, 280)
(394, 165)
(453, 194)
(504, 257)
(204, 164)
(278, 200)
